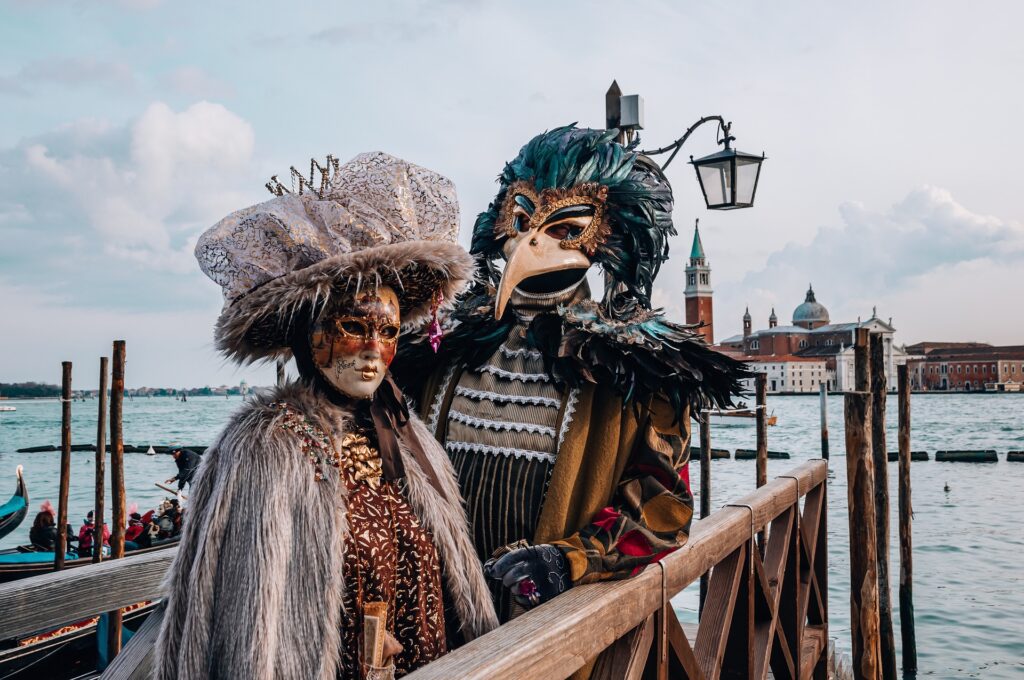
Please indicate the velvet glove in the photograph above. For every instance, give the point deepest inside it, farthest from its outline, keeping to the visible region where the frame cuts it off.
(534, 574)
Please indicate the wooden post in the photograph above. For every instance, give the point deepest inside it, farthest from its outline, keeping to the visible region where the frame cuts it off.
(65, 466)
(823, 398)
(761, 420)
(101, 454)
(863, 542)
(908, 634)
(880, 458)
(705, 489)
(861, 360)
(116, 484)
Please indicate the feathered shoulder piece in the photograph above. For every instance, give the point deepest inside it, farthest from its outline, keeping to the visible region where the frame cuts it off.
(642, 355)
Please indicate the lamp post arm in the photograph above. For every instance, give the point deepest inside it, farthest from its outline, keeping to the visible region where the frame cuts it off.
(678, 144)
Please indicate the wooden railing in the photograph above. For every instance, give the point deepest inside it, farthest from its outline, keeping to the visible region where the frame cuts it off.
(766, 606)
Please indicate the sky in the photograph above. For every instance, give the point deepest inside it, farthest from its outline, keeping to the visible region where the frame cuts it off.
(128, 127)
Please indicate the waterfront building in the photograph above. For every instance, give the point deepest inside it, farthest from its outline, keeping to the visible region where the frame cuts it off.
(813, 337)
(788, 373)
(966, 367)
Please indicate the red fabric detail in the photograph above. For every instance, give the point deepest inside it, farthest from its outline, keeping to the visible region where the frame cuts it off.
(605, 518)
(656, 558)
(684, 474)
(634, 544)
(132, 532)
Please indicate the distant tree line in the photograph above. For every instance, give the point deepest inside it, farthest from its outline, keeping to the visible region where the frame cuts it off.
(28, 390)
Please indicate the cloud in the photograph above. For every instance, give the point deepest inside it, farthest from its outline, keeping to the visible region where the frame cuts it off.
(196, 83)
(924, 250)
(69, 72)
(147, 191)
(375, 31)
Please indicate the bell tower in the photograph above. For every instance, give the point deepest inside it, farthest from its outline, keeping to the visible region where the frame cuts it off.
(698, 288)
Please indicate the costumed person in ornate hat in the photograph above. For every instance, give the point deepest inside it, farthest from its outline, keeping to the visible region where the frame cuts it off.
(567, 419)
(325, 529)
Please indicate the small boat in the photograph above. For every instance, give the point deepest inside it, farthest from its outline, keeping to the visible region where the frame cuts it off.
(8, 408)
(738, 416)
(13, 511)
(24, 560)
(66, 651)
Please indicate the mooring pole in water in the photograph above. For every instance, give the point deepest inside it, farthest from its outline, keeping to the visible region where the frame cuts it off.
(761, 419)
(65, 466)
(705, 488)
(881, 459)
(861, 362)
(116, 484)
(908, 635)
(823, 398)
(101, 454)
(863, 541)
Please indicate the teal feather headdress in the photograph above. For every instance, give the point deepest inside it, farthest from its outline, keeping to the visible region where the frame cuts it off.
(639, 205)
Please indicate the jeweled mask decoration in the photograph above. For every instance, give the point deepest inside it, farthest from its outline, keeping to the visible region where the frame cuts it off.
(572, 198)
(354, 343)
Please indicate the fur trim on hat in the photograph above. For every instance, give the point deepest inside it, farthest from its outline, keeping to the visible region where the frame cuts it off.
(256, 327)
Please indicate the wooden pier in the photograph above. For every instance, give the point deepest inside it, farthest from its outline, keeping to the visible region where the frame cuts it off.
(763, 613)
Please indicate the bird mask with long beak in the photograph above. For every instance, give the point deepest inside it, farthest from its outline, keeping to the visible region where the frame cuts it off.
(573, 198)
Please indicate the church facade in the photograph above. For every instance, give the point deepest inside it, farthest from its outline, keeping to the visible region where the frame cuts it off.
(798, 357)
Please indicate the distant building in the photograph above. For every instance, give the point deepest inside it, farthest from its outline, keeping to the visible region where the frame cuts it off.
(966, 367)
(698, 290)
(797, 349)
(788, 373)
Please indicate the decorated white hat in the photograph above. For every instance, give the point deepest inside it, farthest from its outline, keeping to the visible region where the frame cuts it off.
(375, 220)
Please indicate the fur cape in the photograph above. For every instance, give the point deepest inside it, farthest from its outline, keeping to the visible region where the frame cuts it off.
(256, 588)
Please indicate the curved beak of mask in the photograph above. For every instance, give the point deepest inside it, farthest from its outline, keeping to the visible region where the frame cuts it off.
(532, 254)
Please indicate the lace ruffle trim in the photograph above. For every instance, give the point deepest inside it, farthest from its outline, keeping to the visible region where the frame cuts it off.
(512, 375)
(435, 408)
(499, 425)
(570, 409)
(471, 447)
(527, 400)
(521, 352)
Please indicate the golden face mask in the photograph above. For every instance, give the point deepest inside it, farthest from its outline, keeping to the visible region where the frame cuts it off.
(550, 231)
(574, 216)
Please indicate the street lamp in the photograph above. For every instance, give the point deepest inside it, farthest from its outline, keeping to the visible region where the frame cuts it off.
(728, 179)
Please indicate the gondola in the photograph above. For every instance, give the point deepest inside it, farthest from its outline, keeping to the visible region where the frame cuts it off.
(66, 652)
(24, 561)
(13, 511)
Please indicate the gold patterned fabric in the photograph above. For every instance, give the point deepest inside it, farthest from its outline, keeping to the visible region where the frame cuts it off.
(390, 557)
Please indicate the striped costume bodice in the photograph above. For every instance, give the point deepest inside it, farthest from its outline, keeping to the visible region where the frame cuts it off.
(505, 424)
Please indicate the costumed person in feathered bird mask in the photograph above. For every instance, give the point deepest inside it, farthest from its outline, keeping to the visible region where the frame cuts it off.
(325, 530)
(567, 419)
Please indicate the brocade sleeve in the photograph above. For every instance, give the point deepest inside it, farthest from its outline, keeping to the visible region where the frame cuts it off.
(648, 517)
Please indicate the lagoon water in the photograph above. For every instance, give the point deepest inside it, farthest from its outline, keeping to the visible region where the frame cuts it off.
(968, 541)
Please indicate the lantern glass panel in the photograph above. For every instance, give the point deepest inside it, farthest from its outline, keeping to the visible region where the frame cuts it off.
(747, 171)
(716, 180)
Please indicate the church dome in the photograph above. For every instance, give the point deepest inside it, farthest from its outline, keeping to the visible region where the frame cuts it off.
(810, 313)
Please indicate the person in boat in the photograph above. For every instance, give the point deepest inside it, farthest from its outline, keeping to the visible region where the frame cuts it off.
(326, 495)
(187, 461)
(87, 536)
(43, 532)
(567, 418)
(133, 531)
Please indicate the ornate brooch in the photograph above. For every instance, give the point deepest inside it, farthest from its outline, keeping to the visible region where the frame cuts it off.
(361, 460)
